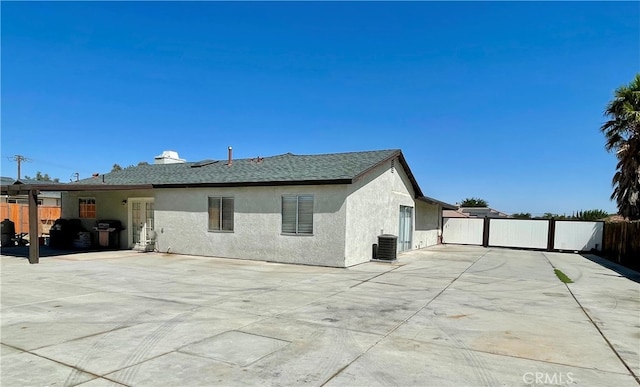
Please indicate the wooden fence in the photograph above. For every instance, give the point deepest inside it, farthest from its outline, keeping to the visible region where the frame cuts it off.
(18, 213)
(621, 243)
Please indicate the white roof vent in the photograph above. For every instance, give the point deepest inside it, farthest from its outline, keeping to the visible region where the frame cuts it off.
(168, 157)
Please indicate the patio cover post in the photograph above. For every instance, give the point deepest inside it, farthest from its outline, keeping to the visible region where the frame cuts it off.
(34, 242)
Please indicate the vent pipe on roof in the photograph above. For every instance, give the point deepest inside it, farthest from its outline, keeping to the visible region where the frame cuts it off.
(230, 161)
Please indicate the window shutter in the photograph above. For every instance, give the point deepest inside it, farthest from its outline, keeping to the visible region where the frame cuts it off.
(214, 213)
(305, 214)
(289, 214)
(227, 214)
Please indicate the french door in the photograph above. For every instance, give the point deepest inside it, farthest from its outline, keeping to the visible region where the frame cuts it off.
(140, 221)
(405, 231)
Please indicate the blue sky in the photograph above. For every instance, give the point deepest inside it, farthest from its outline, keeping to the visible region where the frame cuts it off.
(501, 100)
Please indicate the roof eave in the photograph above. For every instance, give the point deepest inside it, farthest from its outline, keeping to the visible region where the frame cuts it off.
(255, 183)
(444, 205)
(22, 189)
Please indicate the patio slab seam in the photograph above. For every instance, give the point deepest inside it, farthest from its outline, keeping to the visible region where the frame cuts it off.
(465, 348)
(615, 351)
(387, 334)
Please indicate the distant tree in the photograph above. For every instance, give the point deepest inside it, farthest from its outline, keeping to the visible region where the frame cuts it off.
(474, 202)
(550, 215)
(522, 215)
(143, 163)
(622, 133)
(591, 215)
(116, 168)
(41, 177)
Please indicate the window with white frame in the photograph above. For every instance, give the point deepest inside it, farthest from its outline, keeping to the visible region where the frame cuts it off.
(87, 208)
(221, 211)
(297, 214)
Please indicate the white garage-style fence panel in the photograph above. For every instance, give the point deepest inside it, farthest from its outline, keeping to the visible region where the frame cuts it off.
(543, 234)
(578, 235)
(462, 231)
(521, 233)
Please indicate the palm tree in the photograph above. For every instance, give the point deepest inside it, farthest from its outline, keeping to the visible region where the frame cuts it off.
(622, 132)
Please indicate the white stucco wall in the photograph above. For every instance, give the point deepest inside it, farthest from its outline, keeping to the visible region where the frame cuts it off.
(427, 224)
(373, 207)
(181, 222)
(108, 206)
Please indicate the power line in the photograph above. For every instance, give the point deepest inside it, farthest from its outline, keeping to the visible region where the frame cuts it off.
(62, 166)
(19, 159)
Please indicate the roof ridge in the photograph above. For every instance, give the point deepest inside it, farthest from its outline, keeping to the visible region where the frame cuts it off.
(340, 153)
(287, 167)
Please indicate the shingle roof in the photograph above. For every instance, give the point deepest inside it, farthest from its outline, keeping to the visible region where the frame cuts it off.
(5, 180)
(286, 169)
(444, 205)
(282, 169)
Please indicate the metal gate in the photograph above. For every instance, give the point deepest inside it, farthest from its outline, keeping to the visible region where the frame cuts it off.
(578, 235)
(549, 234)
(462, 231)
(521, 233)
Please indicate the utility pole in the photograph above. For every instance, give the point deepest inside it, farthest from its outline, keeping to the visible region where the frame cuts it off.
(19, 159)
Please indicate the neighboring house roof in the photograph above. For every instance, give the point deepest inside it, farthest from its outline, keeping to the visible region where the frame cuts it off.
(615, 218)
(445, 206)
(482, 212)
(10, 181)
(452, 213)
(6, 180)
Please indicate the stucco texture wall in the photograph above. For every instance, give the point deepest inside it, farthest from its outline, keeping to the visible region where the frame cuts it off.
(373, 207)
(427, 224)
(181, 223)
(108, 206)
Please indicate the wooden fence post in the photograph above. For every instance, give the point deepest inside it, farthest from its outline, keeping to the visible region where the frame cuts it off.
(34, 243)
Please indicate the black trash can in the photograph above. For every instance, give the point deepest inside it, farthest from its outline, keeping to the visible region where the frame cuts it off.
(7, 232)
(387, 247)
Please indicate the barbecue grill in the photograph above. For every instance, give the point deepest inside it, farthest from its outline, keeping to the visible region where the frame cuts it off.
(108, 233)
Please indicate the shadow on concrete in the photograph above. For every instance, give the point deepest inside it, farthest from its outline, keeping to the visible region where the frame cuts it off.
(622, 270)
(45, 251)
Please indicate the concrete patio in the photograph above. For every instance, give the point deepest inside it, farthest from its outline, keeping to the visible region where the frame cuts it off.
(444, 316)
